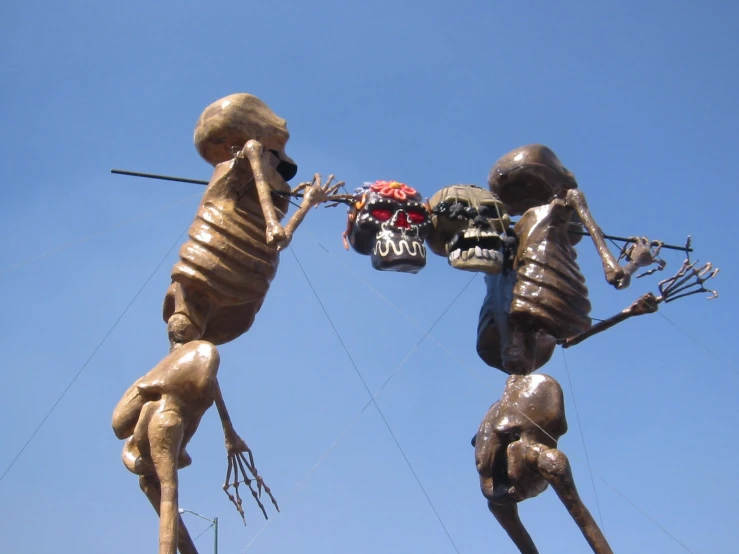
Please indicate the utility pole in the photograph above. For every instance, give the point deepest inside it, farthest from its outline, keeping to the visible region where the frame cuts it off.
(214, 523)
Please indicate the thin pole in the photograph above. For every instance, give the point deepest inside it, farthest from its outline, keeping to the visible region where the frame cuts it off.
(215, 529)
(161, 177)
(200, 182)
(625, 239)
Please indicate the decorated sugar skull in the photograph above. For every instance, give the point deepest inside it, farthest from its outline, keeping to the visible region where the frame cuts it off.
(388, 221)
(470, 227)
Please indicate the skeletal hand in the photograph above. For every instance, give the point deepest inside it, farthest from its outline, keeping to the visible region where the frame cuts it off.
(238, 462)
(646, 304)
(643, 253)
(315, 193)
(687, 281)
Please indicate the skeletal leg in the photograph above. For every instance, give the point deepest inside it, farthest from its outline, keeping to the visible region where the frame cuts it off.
(555, 468)
(150, 485)
(507, 516)
(254, 151)
(165, 436)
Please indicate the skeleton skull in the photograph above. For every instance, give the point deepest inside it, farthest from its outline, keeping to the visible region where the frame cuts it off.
(530, 417)
(388, 222)
(469, 228)
(529, 176)
(226, 125)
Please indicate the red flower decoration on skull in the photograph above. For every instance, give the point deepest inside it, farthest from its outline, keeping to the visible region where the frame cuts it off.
(393, 189)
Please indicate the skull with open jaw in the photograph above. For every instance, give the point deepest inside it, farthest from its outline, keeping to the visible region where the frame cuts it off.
(470, 228)
(388, 222)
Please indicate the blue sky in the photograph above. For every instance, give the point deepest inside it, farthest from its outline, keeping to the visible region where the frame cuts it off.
(637, 99)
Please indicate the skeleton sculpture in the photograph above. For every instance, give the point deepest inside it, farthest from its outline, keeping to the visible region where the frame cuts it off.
(472, 228)
(515, 448)
(546, 303)
(388, 221)
(218, 286)
(549, 301)
(517, 458)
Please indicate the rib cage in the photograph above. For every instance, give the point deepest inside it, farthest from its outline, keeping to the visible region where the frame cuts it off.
(227, 254)
(226, 257)
(550, 288)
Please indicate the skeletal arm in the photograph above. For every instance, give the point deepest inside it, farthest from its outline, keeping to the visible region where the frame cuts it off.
(614, 272)
(228, 428)
(315, 193)
(307, 203)
(254, 151)
(239, 463)
(646, 304)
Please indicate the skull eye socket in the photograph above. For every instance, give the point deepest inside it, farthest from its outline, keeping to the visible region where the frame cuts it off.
(416, 217)
(381, 215)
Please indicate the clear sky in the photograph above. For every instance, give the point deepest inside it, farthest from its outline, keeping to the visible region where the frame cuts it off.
(638, 99)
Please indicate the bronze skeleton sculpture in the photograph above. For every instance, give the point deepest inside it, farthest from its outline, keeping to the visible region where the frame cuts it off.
(546, 302)
(517, 458)
(218, 286)
(536, 298)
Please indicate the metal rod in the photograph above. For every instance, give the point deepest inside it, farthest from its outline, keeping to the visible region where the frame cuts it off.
(215, 529)
(624, 239)
(161, 177)
(199, 182)
(180, 180)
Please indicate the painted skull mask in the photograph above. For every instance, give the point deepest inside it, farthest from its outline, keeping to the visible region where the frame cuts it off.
(470, 228)
(389, 222)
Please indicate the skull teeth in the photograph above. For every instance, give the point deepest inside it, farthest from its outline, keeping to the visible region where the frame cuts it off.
(476, 252)
(476, 233)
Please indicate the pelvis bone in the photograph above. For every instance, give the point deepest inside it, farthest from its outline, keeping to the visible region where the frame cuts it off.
(517, 458)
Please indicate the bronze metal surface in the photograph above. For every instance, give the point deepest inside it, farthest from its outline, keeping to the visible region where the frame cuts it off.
(517, 458)
(218, 285)
(546, 301)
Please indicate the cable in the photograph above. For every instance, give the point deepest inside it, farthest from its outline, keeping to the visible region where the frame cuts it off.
(478, 376)
(379, 411)
(408, 318)
(364, 408)
(203, 532)
(89, 359)
(582, 437)
(645, 514)
(699, 344)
